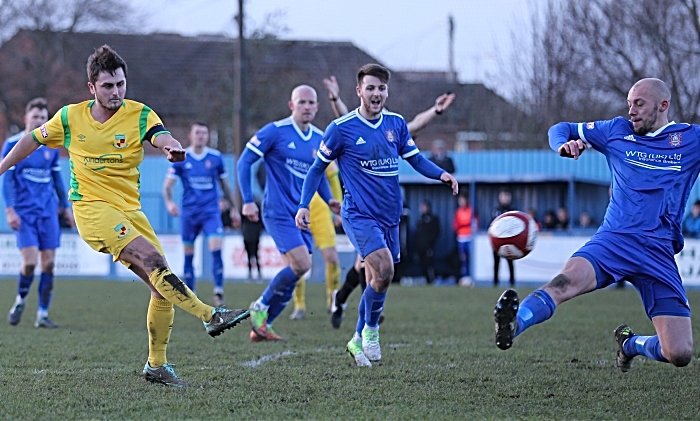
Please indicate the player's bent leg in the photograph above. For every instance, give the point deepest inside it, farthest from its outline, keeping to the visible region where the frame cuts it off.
(144, 255)
(217, 268)
(675, 338)
(512, 317)
(380, 271)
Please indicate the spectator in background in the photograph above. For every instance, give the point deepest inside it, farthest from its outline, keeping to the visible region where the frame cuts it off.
(584, 220)
(562, 219)
(533, 214)
(549, 221)
(439, 156)
(504, 205)
(427, 233)
(251, 232)
(691, 223)
(462, 224)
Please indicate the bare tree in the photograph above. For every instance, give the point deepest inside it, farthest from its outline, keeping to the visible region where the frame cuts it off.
(586, 54)
(36, 69)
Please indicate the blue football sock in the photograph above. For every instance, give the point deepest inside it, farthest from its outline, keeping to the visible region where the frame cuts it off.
(360, 316)
(45, 290)
(217, 266)
(189, 271)
(278, 305)
(278, 285)
(648, 346)
(535, 308)
(374, 304)
(23, 285)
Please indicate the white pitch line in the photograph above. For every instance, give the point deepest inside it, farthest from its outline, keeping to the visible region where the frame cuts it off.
(266, 358)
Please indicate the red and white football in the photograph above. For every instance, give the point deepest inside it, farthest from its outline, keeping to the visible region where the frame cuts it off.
(513, 234)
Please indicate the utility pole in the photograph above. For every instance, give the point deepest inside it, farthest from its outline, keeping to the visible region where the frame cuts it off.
(240, 122)
(451, 47)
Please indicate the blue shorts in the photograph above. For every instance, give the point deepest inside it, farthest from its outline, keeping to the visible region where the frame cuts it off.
(208, 222)
(367, 235)
(44, 233)
(645, 262)
(286, 234)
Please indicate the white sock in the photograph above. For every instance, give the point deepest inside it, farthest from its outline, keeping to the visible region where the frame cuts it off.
(40, 314)
(218, 290)
(20, 300)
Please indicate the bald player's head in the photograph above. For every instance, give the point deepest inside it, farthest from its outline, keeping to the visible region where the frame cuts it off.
(655, 88)
(304, 105)
(648, 102)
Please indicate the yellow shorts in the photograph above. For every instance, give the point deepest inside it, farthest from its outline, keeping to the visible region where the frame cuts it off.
(108, 230)
(321, 223)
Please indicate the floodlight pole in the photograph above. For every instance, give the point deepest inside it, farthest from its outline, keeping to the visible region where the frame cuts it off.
(240, 122)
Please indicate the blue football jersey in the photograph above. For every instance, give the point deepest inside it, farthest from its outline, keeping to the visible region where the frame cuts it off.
(200, 175)
(368, 158)
(288, 153)
(34, 189)
(651, 175)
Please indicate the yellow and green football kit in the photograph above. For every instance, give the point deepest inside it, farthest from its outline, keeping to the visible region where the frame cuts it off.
(104, 189)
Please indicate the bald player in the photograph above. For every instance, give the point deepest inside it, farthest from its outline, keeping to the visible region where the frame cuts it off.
(288, 148)
(654, 164)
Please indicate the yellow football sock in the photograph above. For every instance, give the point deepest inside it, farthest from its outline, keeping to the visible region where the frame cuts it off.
(300, 294)
(332, 280)
(160, 323)
(175, 291)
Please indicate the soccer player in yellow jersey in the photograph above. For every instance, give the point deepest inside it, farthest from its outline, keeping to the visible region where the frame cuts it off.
(105, 138)
(322, 227)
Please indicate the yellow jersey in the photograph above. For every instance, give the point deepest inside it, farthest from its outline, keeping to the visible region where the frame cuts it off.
(104, 158)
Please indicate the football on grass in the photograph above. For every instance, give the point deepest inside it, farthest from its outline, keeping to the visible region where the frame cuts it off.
(513, 234)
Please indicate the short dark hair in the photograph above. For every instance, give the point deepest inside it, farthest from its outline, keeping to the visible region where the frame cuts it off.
(376, 70)
(38, 103)
(104, 59)
(198, 123)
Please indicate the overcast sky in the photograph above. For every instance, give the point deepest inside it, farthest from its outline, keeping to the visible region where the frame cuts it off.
(402, 34)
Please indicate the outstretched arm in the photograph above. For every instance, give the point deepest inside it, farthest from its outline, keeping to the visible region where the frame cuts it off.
(339, 107)
(564, 138)
(420, 121)
(430, 170)
(170, 147)
(24, 147)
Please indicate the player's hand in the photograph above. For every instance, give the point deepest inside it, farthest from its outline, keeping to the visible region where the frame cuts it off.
(68, 216)
(335, 206)
(444, 101)
(174, 154)
(235, 217)
(337, 220)
(572, 149)
(13, 220)
(173, 210)
(302, 218)
(250, 211)
(449, 179)
(331, 85)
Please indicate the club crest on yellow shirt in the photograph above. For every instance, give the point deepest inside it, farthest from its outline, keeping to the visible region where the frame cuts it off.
(120, 141)
(122, 231)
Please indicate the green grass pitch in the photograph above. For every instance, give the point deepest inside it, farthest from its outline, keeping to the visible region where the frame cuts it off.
(439, 361)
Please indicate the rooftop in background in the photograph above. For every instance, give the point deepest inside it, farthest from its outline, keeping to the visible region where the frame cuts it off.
(187, 78)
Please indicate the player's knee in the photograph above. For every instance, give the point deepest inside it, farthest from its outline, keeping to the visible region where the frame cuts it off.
(301, 267)
(153, 260)
(680, 358)
(28, 269)
(47, 265)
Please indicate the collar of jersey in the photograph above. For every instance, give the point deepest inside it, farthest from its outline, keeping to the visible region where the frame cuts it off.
(198, 157)
(657, 132)
(304, 137)
(364, 120)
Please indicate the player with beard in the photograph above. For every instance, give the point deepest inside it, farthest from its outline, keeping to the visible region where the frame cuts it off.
(654, 164)
(367, 144)
(288, 148)
(105, 138)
